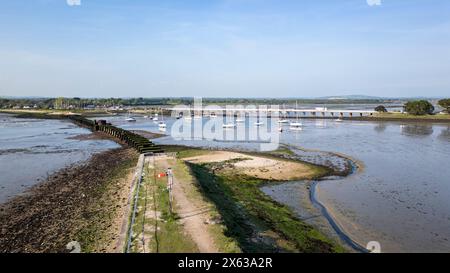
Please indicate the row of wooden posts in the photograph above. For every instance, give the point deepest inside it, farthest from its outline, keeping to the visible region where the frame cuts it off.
(140, 143)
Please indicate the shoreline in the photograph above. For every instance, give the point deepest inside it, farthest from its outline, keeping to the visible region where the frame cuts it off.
(312, 189)
(383, 117)
(312, 192)
(83, 203)
(335, 222)
(295, 233)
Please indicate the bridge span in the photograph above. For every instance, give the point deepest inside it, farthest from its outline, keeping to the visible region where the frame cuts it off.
(287, 112)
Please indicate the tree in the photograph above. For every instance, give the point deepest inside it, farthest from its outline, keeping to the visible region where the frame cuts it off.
(381, 109)
(420, 107)
(445, 103)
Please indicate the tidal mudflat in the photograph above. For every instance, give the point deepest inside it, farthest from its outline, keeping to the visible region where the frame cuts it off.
(32, 149)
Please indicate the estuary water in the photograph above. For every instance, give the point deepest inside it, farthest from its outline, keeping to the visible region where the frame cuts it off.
(31, 149)
(399, 197)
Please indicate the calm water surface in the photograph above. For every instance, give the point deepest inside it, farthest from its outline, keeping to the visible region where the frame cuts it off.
(31, 149)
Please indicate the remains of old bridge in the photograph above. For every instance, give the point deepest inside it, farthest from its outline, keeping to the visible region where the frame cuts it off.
(140, 143)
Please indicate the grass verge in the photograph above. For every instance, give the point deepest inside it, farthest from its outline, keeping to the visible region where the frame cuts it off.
(258, 223)
(156, 229)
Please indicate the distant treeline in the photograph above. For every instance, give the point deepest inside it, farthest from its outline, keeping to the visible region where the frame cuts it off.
(81, 103)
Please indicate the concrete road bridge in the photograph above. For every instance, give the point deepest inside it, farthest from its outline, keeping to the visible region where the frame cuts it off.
(282, 112)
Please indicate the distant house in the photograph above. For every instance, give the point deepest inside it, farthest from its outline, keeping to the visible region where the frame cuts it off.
(89, 107)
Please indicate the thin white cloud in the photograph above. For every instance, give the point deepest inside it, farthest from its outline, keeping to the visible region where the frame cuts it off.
(374, 2)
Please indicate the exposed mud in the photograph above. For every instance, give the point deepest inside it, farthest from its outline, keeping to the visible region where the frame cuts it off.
(81, 202)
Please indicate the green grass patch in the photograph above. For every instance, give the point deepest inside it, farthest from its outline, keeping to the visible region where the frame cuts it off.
(246, 211)
(224, 244)
(186, 153)
(283, 151)
(163, 230)
(415, 117)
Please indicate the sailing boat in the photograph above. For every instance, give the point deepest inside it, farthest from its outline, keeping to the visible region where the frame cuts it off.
(283, 117)
(240, 120)
(297, 125)
(162, 125)
(229, 125)
(129, 118)
(155, 118)
(259, 123)
(189, 116)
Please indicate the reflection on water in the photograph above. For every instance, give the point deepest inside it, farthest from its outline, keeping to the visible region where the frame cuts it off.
(419, 130)
(445, 134)
(380, 128)
(31, 149)
(400, 198)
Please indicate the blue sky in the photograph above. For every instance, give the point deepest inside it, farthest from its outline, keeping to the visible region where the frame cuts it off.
(224, 48)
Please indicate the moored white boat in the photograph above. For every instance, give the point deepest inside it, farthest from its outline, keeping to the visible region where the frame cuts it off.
(229, 125)
(296, 124)
(296, 128)
(162, 125)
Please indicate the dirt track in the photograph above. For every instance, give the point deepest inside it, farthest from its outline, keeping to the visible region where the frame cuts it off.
(193, 212)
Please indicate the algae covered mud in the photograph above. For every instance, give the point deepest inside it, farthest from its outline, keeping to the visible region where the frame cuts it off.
(232, 181)
(85, 204)
(32, 149)
(399, 198)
